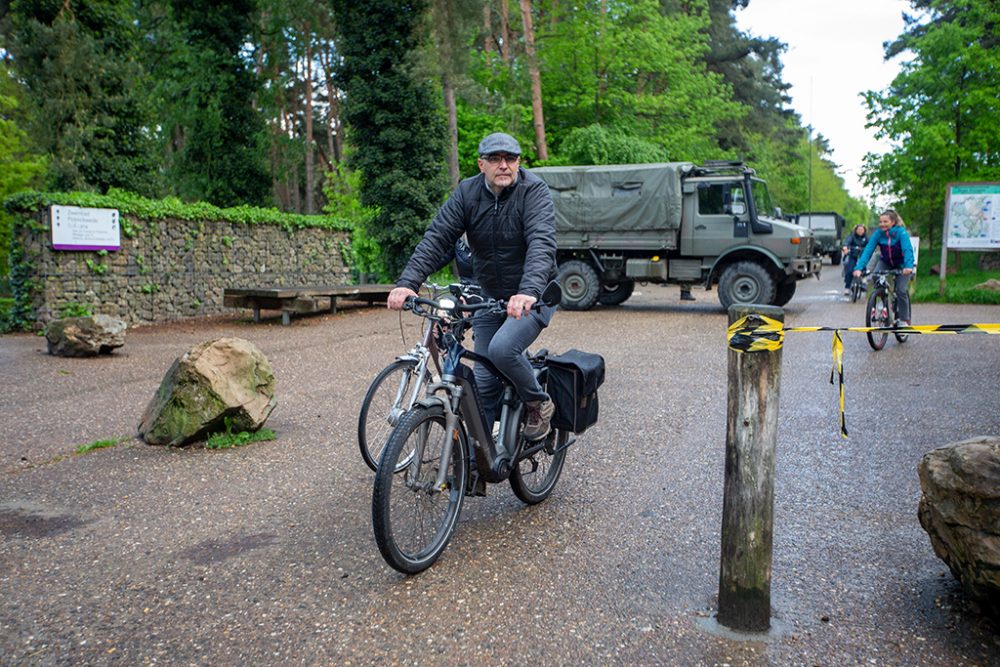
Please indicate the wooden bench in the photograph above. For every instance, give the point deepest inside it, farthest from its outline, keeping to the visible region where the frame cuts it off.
(301, 299)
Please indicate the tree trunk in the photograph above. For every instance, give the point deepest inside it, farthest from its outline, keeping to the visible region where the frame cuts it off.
(310, 155)
(334, 138)
(536, 81)
(488, 41)
(449, 103)
(505, 31)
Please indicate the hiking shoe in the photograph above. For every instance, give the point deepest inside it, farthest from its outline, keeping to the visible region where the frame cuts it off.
(538, 424)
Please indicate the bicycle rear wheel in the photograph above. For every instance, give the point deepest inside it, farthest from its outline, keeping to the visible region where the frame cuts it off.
(877, 316)
(385, 402)
(534, 477)
(412, 520)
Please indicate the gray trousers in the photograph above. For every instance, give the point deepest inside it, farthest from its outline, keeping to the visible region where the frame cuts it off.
(902, 296)
(503, 340)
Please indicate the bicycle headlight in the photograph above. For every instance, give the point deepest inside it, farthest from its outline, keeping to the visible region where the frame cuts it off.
(447, 305)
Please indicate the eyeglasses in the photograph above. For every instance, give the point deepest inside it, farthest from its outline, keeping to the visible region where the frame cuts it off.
(495, 159)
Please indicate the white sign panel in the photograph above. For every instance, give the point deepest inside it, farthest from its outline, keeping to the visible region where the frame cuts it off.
(75, 228)
(972, 216)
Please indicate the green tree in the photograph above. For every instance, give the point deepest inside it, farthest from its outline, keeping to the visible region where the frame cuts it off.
(213, 136)
(77, 63)
(19, 167)
(596, 144)
(940, 113)
(634, 67)
(396, 124)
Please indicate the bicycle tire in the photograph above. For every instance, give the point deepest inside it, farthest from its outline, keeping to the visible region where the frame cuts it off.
(534, 477)
(380, 409)
(901, 337)
(877, 316)
(856, 291)
(412, 522)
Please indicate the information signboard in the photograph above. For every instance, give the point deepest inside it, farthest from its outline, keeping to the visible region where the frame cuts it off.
(972, 216)
(75, 228)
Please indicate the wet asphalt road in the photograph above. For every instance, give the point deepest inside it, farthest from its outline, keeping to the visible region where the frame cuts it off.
(265, 555)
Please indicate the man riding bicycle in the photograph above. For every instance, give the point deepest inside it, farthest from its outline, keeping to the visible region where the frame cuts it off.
(507, 216)
(896, 252)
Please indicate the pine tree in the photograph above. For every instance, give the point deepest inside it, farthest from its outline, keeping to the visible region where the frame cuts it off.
(395, 123)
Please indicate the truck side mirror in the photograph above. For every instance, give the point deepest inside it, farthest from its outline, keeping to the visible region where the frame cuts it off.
(737, 208)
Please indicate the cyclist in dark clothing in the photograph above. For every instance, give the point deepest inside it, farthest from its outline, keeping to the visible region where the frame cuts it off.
(896, 252)
(853, 247)
(507, 216)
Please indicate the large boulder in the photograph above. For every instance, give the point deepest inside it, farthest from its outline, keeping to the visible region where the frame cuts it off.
(85, 336)
(223, 378)
(960, 510)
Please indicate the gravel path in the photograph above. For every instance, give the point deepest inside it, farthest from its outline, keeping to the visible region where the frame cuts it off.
(264, 554)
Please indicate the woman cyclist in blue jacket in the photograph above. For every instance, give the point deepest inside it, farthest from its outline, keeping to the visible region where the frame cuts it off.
(896, 252)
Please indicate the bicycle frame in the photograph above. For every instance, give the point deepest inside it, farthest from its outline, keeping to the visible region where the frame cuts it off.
(423, 352)
(462, 406)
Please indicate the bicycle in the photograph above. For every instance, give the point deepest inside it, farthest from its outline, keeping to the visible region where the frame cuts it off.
(859, 286)
(442, 449)
(882, 309)
(396, 388)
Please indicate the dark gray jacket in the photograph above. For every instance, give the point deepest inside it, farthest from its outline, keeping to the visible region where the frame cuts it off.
(512, 237)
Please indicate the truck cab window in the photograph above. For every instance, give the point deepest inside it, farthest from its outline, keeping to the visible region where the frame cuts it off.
(717, 199)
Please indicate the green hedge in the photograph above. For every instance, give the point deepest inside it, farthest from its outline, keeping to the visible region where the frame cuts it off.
(30, 202)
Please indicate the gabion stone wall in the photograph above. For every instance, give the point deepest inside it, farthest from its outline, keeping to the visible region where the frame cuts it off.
(175, 269)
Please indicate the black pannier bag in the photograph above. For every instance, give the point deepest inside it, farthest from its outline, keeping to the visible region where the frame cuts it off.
(573, 381)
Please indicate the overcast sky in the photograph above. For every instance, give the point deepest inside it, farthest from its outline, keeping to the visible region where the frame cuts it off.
(834, 54)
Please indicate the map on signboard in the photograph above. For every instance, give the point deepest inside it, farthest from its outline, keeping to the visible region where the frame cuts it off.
(76, 228)
(973, 216)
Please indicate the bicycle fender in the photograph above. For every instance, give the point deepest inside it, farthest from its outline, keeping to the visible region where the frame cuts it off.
(430, 402)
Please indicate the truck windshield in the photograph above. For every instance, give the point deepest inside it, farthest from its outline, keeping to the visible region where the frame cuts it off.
(821, 222)
(761, 198)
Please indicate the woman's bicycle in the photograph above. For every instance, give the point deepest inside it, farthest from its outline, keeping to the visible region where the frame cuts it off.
(858, 287)
(442, 449)
(397, 387)
(882, 309)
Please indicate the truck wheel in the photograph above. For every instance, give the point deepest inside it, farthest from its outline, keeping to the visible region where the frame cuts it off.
(835, 257)
(785, 292)
(613, 295)
(580, 285)
(745, 282)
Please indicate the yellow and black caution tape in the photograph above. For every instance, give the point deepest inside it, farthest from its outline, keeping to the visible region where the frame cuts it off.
(759, 333)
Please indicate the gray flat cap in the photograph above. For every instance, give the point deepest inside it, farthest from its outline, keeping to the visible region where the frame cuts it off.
(498, 142)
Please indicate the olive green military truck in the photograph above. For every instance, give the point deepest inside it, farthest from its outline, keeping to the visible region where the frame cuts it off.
(828, 230)
(673, 223)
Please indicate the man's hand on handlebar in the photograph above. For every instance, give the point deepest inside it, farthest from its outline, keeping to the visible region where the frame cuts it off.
(907, 272)
(398, 296)
(519, 304)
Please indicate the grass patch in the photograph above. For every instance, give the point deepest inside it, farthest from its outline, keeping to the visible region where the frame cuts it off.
(959, 288)
(99, 444)
(228, 439)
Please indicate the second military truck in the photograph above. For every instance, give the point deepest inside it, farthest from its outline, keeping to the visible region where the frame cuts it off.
(673, 222)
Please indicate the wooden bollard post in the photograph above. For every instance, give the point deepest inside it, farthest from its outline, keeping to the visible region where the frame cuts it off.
(748, 496)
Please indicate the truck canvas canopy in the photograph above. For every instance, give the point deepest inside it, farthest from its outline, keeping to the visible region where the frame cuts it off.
(602, 198)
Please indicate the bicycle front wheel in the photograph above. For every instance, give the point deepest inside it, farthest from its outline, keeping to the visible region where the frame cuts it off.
(386, 400)
(534, 477)
(856, 291)
(413, 519)
(877, 316)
